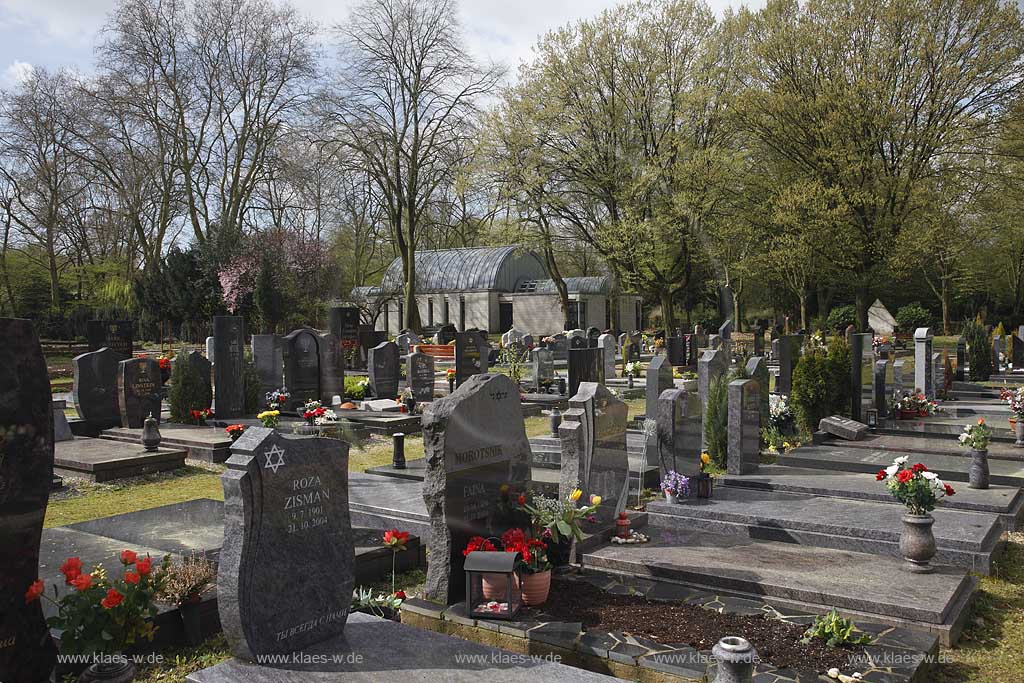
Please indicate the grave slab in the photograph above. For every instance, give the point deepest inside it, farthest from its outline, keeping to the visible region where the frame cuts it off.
(208, 444)
(102, 460)
(843, 427)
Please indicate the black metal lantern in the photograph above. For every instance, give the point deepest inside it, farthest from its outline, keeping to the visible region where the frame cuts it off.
(872, 414)
(493, 585)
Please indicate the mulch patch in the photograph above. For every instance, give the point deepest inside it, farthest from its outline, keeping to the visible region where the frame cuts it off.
(777, 642)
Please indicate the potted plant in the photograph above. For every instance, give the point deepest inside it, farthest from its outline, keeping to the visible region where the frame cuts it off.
(165, 369)
(908, 407)
(183, 587)
(533, 560)
(101, 617)
(1014, 398)
(559, 521)
(199, 417)
(976, 438)
(235, 431)
(918, 489)
(312, 410)
(277, 398)
(675, 485)
(705, 484)
(269, 418)
(378, 604)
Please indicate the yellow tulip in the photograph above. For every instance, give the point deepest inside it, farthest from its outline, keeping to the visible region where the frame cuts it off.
(705, 458)
(595, 500)
(575, 495)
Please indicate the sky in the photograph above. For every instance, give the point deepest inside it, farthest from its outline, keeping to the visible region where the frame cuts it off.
(56, 33)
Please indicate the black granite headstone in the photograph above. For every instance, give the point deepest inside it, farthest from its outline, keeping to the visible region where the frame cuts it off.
(585, 365)
(268, 356)
(419, 376)
(383, 370)
(302, 366)
(228, 368)
(604, 465)
(758, 341)
(961, 358)
(344, 324)
(367, 339)
(203, 369)
(467, 357)
(138, 391)
(478, 462)
(95, 389)
(116, 335)
(27, 653)
(578, 341)
(446, 334)
(744, 426)
(332, 368)
(679, 432)
(592, 336)
(676, 351)
(559, 346)
(286, 516)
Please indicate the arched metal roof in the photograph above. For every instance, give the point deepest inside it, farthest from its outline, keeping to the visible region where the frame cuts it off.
(601, 284)
(467, 269)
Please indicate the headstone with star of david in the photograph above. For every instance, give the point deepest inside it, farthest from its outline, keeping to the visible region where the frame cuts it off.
(285, 507)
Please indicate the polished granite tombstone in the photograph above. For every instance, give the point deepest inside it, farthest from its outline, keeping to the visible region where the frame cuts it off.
(478, 458)
(138, 391)
(286, 510)
(744, 405)
(604, 465)
(103, 460)
(268, 357)
(26, 471)
(332, 368)
(658, 379)
(203, 369)
(419, 376)
(543, 364)
(843, 427)
(382, 364)
(302, 367)
(95, 388)
(585, 365)
(229, 362)
(116, 335)
(467, 357)
(678, 432)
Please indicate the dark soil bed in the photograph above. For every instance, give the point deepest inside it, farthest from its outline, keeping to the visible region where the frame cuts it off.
(777, 642)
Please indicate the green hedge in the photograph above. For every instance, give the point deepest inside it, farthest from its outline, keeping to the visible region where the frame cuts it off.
(913, 316)
(979, 351)
(189, 390)
(821, 384)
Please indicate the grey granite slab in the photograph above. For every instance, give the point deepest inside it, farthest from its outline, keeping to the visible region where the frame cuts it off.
(181, 528)
(374, 650)
(103, 460)
(914, 443)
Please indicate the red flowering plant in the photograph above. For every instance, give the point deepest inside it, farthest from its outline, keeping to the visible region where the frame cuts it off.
(199, 417)
(235, 431)
(914, 485)
(100, 615)
(312, 410)
(533, 553)
(395, 540)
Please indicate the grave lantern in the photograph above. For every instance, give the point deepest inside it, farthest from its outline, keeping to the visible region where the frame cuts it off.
(493, 585)
(872, 414)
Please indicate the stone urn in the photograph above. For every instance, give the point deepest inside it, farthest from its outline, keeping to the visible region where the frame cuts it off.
(122, 671)
(917, 543)
(1018, 431)
(736, 658)
(536, 587)
(977, 475)
(150, 434)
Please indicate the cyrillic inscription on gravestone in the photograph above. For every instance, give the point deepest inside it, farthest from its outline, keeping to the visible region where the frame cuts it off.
(285, 515)
(138, 391)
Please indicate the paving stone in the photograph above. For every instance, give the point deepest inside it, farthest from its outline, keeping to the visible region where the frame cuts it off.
(424, 607)
(672, 592)
(742, 606)
(682, 661)
(559, 633)
(905, 638)
(596, 643)
(457, 614)
(519, 628)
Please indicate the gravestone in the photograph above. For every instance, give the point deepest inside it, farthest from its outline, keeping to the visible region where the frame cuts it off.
(937, 378)
(997, 350)
(511, 337)
(116, 335)
(897, 377)
(382, 366)
(1017, 352)
(61, 428)
(203, 369)
(961, 358)
(477, 463)
(467, 357)
(726, 302)
(604, 466)
(924, 378)
(947, 374)
(484, 349)
(95, 389)
(209, 349)
(757, 368)
(27, 653)
(675, 351)
(138, 391)
(585, 365)
(678, 432)
(559, 346)
(343, 322)
(715, 342)
(543, 362)
(446, 334)
(788, 355)
(332, 368)
(367, 339)
(419, 376)
(880, 395)
(858, 343)
(285, 508)
(406, 340)
(843, 427)
(725, 330)
(712, 365)
(228, 368)
(744, 426)
(302, 367)
(659, 378)
(606, 342)
(268, 356)
(570, 445)
(593, 334)
(578, 341)
(759, 345)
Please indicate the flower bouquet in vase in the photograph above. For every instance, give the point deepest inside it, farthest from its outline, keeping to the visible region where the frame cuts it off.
(919, 490)
(976, 438)
(675, 485)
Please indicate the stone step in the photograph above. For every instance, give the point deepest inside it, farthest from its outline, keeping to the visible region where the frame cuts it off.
(1005, 501)
(964, 539)
(861, 585)
(952, 468)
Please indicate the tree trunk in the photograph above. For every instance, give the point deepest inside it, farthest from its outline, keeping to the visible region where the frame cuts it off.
(803, 309)
(412, 311)
(737, 321)
(666, 311)
(944, 297)
(556, 277)
(862, 308)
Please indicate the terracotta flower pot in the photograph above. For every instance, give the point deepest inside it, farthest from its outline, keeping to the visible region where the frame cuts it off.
(1013, 424)
(494, 586)
(917, 543)
(536, 587)
(977, 475)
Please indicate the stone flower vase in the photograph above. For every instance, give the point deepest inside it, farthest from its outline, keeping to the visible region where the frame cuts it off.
(629, 381)
(109, 672)
(917, 543)
(671, 497)
(536, 587)
(977, 475)
(1018, 431)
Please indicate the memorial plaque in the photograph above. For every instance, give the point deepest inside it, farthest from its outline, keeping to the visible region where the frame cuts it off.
(95, 389)
(744, 426)
(419, 376)
(543, 361)
(604, 466)
(116, 335)
(467, 357)
(843, 427)
(229, 365)
(477, 463)
(383, 370)
(27, 653)
(138, 391)
(585, 365)
(286, 514)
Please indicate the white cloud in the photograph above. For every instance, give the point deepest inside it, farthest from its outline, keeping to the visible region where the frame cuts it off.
(17, 72)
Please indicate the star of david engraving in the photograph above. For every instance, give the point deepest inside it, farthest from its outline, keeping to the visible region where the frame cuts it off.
(275, 458)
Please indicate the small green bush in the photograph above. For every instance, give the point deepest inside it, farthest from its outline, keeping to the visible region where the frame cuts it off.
(189, 390)
(716, 420)
(835, 630)
(354, 387)
(839, 362)
(842, 317)
(979, 351)
(913, 316)
(810, 397)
